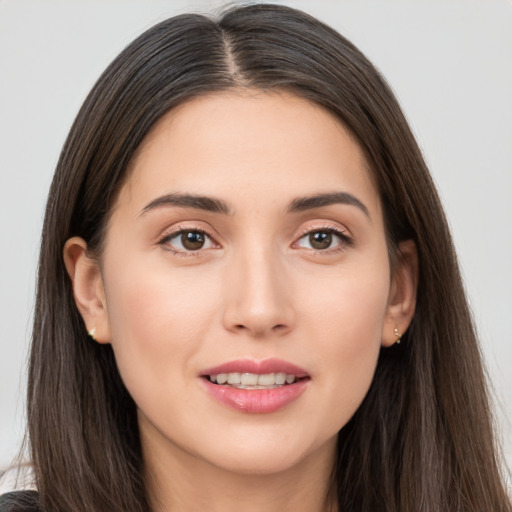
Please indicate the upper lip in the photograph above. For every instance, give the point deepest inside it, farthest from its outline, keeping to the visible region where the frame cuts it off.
(262, 367)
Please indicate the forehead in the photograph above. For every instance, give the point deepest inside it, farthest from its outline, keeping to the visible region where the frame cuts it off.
(244, 143)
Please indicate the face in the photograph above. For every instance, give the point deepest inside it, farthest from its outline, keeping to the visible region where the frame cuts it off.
(246, 245)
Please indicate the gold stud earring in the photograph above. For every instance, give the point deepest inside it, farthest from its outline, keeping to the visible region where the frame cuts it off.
(398, 336)
(92, 333)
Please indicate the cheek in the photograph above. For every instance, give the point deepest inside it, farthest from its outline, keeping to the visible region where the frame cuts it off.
(347, 307)
(157, 321)
(346, 316)
(146, 298)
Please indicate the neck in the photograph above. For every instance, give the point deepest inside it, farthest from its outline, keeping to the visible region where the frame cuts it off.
(180, 482)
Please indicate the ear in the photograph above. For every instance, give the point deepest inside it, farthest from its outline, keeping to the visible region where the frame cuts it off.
(402, 295)
(88, 291)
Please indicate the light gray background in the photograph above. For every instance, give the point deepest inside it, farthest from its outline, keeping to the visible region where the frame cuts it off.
(449, 61)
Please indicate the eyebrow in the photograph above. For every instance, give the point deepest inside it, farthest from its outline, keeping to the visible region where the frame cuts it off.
(204, 203)
(318, 200)
(214, 205)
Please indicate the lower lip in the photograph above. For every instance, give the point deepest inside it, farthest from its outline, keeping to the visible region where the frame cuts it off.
(257, 401)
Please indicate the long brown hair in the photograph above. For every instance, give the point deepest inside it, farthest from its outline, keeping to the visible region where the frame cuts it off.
(422, 440)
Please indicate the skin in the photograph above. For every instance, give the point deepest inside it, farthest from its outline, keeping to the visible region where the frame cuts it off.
(256, 289)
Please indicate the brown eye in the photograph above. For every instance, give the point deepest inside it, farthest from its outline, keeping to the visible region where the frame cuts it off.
(192, 240)
(188, 241)
(320, 240)
(324, 240)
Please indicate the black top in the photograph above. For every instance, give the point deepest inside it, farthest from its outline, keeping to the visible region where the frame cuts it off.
(20, 501)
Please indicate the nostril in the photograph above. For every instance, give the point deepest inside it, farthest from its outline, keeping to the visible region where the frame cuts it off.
(260, 330)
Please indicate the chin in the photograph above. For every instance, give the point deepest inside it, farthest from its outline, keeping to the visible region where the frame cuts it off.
(261, 464)
(266, 456)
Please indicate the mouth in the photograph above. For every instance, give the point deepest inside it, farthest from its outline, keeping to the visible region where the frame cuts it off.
(254, 380)
(256, 386)
(253, 374)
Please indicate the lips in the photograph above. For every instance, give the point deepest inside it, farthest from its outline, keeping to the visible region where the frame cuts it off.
(255, 386)
(258, 367)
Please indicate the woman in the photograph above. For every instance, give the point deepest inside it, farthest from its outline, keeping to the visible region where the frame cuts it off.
(248, 296)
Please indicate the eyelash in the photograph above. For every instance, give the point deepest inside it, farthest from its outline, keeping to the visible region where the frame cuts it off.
(345, 240)
(175, 234)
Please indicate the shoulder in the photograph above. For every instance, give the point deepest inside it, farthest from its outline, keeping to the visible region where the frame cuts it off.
(19, 501)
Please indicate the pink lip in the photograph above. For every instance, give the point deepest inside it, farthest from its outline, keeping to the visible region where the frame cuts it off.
(259, 367)
(256, 401)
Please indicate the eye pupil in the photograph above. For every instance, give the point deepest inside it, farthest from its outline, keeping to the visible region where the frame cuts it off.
(320, 240)
(192, 240)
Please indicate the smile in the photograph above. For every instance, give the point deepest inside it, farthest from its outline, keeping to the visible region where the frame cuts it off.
(257, 387)
(253, 380)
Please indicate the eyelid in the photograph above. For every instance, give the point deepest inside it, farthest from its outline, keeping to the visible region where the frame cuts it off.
(339, 231)
(326, 226)
(173, 232)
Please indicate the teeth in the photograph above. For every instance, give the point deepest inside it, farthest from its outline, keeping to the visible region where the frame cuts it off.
(249, 379)
(280, 378)
(253, 380)
(267, 380)
(234, 378)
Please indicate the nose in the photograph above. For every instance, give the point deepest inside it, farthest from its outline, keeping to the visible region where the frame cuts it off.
(259, 296)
